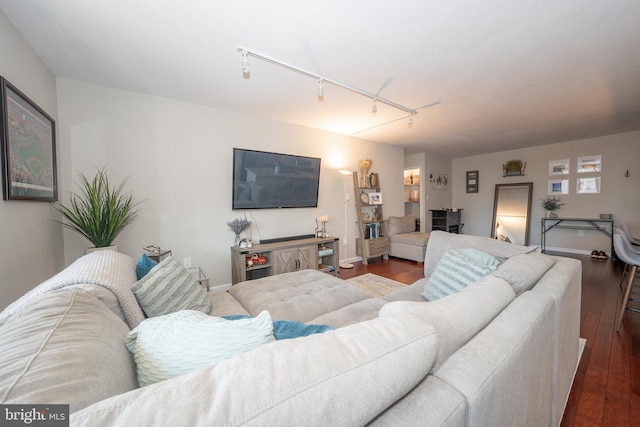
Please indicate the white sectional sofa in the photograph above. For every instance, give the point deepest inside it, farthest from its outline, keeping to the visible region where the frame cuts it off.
(500, 352)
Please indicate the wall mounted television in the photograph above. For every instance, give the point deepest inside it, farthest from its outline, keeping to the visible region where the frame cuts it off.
(264, 180)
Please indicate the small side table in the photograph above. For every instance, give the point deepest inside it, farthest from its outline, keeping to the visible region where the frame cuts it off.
(200, 277)
(160, 256)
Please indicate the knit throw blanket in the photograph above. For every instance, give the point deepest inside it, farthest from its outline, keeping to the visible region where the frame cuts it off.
(110, 269)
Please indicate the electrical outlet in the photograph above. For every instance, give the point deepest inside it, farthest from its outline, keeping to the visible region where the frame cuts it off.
(187, 262)
(580, 233)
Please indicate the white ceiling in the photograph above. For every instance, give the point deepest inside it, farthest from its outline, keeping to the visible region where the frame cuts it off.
(506, 73)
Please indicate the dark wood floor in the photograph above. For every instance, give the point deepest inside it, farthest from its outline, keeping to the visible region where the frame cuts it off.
(606, 389)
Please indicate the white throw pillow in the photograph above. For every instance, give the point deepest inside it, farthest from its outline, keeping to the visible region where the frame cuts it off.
(168, 288)
(457, 269)
(181, 342)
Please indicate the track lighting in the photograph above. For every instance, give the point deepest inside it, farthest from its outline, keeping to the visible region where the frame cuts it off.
(321, 79)
(246, 71)
(410, 123)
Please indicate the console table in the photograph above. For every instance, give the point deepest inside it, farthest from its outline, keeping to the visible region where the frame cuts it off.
(285, 256)
(605, 226)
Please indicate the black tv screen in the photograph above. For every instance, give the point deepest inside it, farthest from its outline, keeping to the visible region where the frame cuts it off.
(263, 180)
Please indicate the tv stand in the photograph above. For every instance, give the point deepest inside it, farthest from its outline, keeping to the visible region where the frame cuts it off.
(283, 256)
(286, 239)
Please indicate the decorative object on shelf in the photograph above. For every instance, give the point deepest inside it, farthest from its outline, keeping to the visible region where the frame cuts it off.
(321, 223)
(373, 180)
(514, 168)
(246, 243)
(365, 165)
(473, 181)
(439, 181)
(238, 225)
(364, 198)
(28, 148)
(551, 204)
(100, 211)
(375, 198)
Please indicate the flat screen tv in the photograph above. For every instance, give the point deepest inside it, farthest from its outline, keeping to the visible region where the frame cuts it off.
(263, 180)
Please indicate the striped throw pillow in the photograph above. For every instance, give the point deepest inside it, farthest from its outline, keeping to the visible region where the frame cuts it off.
(457, 269)
(168, 288)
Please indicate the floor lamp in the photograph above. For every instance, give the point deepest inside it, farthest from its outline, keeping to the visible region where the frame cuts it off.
(345, 264)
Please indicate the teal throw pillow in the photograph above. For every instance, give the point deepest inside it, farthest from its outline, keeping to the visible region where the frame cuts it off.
(457, 269)
(144, 266)
(288, 329)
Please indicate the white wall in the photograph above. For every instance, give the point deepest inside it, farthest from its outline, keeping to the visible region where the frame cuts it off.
(31, 248)
(431, 163)
(619, 194)
(178, 158)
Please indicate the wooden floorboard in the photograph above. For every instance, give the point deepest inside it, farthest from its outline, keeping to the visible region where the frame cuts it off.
(606, 388)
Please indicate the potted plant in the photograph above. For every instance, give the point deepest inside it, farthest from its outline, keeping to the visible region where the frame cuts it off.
(99, 211)
(551, 204)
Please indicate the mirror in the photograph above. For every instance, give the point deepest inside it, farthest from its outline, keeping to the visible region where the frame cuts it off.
(512, 212)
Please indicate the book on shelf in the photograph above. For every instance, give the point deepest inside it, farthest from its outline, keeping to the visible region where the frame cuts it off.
(325, 252)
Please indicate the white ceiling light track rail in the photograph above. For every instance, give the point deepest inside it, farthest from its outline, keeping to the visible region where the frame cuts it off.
(246, 73)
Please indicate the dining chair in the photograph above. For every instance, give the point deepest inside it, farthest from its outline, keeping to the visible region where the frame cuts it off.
(634, 241)
(632, 258)
(634, 249)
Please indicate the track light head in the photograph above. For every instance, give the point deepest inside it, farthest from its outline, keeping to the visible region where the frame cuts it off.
(374, 107)
(410, 122)
(246, 70)
(320, 90)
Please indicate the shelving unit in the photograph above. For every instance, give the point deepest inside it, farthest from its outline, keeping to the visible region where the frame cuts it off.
(285, 256)
(447, 220)
(412, 194)
(372, 241)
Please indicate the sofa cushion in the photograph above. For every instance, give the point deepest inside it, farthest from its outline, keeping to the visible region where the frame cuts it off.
(524, 271)
(413, 238)
(178, 343)
(335, 378)
(440, 241)
(459, 317)
(400, 224)
(144, 266)
(457, 269)
(168, 288)
(301, 295)
(66, 348)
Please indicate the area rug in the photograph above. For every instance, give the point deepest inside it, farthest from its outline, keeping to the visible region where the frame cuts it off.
(377, 286)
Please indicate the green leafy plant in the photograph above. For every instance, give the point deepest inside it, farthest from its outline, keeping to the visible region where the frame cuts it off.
(100, 211)
(551, 203)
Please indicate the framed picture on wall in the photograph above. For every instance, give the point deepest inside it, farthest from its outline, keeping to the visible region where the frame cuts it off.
(472, 181)
(27, 136)
(559, 167)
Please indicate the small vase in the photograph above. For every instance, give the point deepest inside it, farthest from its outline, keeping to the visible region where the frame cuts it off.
(324, 230)
(236, 242)
(553, 214)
